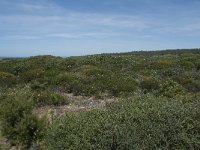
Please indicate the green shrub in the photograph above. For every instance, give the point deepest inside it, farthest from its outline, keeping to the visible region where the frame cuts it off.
(170, 88)
(32, 75)
(188, 65)
(18, 124)
(95, 82)
(49, 98)
(122, 86)
(30, 130)
(149, 84)
(7, 79)
(144, 122)
(193, 86)
(66, 81)
(89, 70)
(36, 85)
(6, 75)
(161, 64)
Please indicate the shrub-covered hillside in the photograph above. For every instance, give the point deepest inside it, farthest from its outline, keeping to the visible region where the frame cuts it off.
(156, 93)
(110, 74)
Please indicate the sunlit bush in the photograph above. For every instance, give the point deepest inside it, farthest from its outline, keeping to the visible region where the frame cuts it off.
(144, 122)
(170, 88)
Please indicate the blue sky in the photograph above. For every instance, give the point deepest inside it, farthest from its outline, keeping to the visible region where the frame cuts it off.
(80, 27)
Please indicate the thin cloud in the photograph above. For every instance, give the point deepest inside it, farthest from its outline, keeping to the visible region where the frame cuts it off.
(19, 37)
(83, 23)
(32, 7)
(82, 35)
(182, 26)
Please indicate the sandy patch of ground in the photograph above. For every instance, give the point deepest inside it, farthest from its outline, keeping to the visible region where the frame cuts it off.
(78, 104)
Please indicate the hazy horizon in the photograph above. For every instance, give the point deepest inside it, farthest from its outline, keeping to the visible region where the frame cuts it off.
(75, 28)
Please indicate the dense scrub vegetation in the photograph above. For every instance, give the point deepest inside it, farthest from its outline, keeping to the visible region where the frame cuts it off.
(157, 91)
(143, 122)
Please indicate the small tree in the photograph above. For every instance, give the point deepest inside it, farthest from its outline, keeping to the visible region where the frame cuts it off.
(18, 124)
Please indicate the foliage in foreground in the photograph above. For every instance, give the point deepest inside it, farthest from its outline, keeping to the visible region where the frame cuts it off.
(18, 124)
(145, 122)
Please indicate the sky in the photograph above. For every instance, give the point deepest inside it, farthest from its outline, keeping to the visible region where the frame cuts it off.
(82, 27)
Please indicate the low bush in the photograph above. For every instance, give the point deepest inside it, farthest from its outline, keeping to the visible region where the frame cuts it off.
(118, 86)
(193, 86)
(95, 83)
(37, 86)
(32, 75)
(144, 122)
(7, 79)
(170, 89)
(149, 84)
(49, 98)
